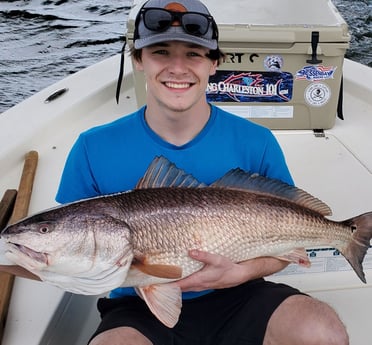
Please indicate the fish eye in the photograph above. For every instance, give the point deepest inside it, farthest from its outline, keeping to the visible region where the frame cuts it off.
(44, 228)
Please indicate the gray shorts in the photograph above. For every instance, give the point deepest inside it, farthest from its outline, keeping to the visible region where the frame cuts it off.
(233, 316)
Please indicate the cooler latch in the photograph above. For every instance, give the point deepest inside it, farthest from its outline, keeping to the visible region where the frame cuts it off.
(314, 45)
(319, 133)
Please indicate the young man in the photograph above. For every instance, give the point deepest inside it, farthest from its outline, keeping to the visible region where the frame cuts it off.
(176, 47)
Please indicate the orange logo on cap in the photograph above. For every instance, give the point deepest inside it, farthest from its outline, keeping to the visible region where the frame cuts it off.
(176, 7)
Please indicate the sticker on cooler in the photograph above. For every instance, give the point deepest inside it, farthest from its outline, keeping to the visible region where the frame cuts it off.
(233, 86)
(316, 73)
(317, 94)
(273, 63)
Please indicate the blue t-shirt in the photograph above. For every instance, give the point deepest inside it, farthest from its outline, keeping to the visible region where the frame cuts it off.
(113, 157)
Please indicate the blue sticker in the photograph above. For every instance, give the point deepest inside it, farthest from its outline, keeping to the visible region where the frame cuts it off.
(316, 73)
(234, 86)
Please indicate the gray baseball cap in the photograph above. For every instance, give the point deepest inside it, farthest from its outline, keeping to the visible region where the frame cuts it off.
(146, 37)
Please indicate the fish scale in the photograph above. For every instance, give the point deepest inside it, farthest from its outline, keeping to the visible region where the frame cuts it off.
(220, 216)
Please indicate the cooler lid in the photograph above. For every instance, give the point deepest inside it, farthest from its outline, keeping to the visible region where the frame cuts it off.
(272, 21)
(278, 20)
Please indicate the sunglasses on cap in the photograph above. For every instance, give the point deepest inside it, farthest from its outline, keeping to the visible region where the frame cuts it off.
(193, 23)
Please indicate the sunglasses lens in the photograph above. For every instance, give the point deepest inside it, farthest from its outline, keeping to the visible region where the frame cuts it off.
(157, 20)
(195, 24)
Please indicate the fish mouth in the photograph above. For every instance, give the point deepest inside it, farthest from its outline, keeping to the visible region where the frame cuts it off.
(32, 254)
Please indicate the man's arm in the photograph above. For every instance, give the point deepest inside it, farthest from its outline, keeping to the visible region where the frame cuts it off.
(220, 272)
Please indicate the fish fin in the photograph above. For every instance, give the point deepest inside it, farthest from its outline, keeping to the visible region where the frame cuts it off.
(162, 173)
(356, 249)
(164, 301)
(158, 270)
(240, 179)
(297, 256)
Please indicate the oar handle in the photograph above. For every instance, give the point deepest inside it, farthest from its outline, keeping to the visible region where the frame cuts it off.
(25, 187)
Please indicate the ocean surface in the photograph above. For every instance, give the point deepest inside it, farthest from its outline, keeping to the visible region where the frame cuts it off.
(43, 41)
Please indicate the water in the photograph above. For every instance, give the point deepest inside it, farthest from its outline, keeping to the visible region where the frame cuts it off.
(43, 41)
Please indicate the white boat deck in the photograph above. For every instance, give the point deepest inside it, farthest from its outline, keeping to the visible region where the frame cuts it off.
(336, 168)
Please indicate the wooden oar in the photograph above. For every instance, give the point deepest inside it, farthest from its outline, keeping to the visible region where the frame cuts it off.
(20, 211)
(6, 206)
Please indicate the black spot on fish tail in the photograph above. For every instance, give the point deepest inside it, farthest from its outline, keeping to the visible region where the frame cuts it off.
(361, 227)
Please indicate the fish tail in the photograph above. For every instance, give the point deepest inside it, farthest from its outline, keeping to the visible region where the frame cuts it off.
(361, 226)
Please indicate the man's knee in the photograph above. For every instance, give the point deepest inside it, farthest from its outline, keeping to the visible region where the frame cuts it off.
(120, 336)
(303, 320)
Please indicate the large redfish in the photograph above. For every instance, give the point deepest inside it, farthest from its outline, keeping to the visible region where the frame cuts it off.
(141, 238)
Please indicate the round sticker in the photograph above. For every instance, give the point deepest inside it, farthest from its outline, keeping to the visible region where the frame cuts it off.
(317, 94)
(273, 63)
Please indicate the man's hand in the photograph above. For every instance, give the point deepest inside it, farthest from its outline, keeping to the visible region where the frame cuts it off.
(220, 272)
